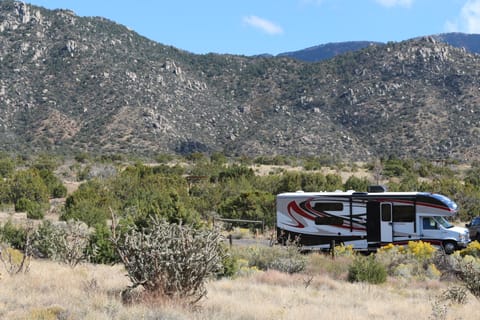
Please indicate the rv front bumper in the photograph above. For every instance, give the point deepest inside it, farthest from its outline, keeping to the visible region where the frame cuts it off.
(464, 240)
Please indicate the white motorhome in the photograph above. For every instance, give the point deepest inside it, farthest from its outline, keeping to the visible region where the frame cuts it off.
(368, 220)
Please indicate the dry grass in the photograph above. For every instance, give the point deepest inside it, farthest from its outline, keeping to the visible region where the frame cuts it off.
(54, 291)
(273, 295)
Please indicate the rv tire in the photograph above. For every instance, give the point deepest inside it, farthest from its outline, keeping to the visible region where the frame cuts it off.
(449, 247)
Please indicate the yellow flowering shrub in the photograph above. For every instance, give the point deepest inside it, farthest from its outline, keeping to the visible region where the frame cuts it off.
(343, 250)
(411, 260)
(473, 249)
(421, 250)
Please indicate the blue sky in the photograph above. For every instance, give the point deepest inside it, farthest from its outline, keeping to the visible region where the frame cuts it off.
(249, 27)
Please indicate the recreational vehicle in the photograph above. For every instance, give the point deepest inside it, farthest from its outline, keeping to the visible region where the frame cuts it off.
(368, 220)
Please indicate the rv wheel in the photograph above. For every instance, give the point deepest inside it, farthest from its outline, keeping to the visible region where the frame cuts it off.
(449, 247)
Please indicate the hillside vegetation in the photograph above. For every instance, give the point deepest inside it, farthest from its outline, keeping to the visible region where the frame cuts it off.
(70, 83)
(185, 196)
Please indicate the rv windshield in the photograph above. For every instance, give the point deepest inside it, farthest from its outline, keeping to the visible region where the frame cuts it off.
(443, 222)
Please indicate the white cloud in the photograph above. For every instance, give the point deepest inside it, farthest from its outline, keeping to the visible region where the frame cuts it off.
(263, 24)
(395, 3)
(469, 19)
(451, 26)
(470, 16)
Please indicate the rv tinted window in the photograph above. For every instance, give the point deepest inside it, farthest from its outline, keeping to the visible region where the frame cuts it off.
(403, 214)
(328, 206)
(337, 221)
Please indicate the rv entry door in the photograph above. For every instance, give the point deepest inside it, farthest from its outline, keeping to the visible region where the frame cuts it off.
(386, 224)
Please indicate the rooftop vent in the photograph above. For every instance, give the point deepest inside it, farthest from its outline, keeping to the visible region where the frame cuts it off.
(376, 189)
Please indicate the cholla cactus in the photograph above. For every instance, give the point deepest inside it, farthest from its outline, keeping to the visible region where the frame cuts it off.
(65, 242)
(170, 260)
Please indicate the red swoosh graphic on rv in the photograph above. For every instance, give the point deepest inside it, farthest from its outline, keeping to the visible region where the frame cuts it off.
(293, 209)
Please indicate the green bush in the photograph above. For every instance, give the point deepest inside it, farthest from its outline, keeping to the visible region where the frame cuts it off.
(55, 187)
(229, 262)
(7, 167)
(33, 209)
(357, 184)
(14, 235)
(101, 249)
(28, 184)
(23, 204)
(35, 212)
(367, 269)
(254, 205)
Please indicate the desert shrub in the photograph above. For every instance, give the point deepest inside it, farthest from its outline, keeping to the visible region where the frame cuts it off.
(357, 184)
(420, 250)
(64, 242)
(33, 209)
(101, 248)
(414, 260)
(42, 236)
(322, 263)
(286, 259)
(230, 263)
(55, 187)
(473, 249)
(455, 294)
(28, 184)
(254, 205)
(367, 269)
(5, 192)
(7, 166)
(235, 172)
(49, 313)
(23, 204)
(89, 203)
(14, 235)
(14, 260)
(468, 271)
(170, 260)
(342, 250)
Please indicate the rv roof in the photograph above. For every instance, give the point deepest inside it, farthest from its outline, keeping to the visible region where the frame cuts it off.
(348, 193)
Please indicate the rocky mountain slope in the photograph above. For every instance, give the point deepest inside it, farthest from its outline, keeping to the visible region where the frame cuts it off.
(469, 42)
(328, 50)
(71, 83)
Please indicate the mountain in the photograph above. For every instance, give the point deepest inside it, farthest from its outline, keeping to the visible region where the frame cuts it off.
(470, 42)
(70, 83)
(327, 51)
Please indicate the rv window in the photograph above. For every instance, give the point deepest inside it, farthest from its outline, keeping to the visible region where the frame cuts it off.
(328, 206)
(386, 212)
(429, 224)
(336, 221)
(403, 214)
